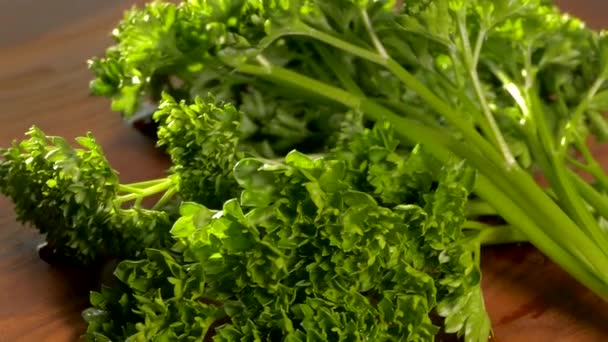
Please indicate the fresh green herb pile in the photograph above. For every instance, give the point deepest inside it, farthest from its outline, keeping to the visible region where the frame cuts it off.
(333, 164)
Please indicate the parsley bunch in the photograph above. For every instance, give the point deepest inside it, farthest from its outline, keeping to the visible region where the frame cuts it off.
(305, 254)
(334, 184)
(514, 87)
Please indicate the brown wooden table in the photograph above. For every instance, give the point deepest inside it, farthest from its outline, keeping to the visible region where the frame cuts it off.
(43, 81)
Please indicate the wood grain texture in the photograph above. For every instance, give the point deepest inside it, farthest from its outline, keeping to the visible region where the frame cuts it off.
(43, 81)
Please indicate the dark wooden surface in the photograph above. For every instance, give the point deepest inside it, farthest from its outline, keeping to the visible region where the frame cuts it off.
(43, 81)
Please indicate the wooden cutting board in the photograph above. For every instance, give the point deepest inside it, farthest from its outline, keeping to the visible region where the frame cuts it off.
(43, 81)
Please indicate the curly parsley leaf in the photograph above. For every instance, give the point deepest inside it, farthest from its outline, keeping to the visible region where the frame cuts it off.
(305, 254)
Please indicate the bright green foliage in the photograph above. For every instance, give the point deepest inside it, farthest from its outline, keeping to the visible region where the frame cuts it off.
(305, 255)
(516, 52)
(68, 195)
(163, 288)
(456, 48)
(202, 140)
(50, 171)
(159, 41)
(74, 196)
(510, 86)
(392, 179)
(363, 242)
(178, 49)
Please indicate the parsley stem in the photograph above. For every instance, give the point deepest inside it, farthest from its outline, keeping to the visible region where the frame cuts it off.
(495, 234)
(129, 189)
(542, 147)
(477, 207)
(555, 171)
(575, 264)
(164, 185)
(471, 60)
(590, 195)
(339, 70)
(145, 184)
(593, 167)
(165, 198)
(368, 26)
(570, 128)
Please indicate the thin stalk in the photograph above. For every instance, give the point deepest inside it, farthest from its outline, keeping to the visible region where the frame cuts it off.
(495, 235)
(130, 189)
(145, 184)
(540, 218)
(471, 61)
(598, 201)
(476, 207)
(138, 201)
(409, 111)
(476, 225)
(561, 183)
(569, 129)
(455, 118)
(517, 96)
(372, 34)
(165, 198)
(579, 165)
(159, 187)
(125, 198)
(575, 264)
(594, 167)
(339, 70)
(543, 152)
(548, 160)
(496, 133)
(306, 83)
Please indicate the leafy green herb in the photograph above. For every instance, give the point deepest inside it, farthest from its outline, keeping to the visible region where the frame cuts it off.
(306, 255)
(202, 140)
(373, 235)
(75, 198)
(72, 196)
(510, 86)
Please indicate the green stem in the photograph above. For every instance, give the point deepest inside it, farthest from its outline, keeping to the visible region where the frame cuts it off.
(575, 264)
(165, 198)
(471, 61)
(553, 169)
(476, 225)
(556, 173)
(544, 152)
(598, 201)
(495, 235)
(477, 207)
(579, 165)
(138, 201)
(339, 70)
(130, 189)
(159, 186)
(570, 129)
(370, 30)
(145, 184)
(593, 167)
(599, 122)
(519, 187)
(455, 118)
